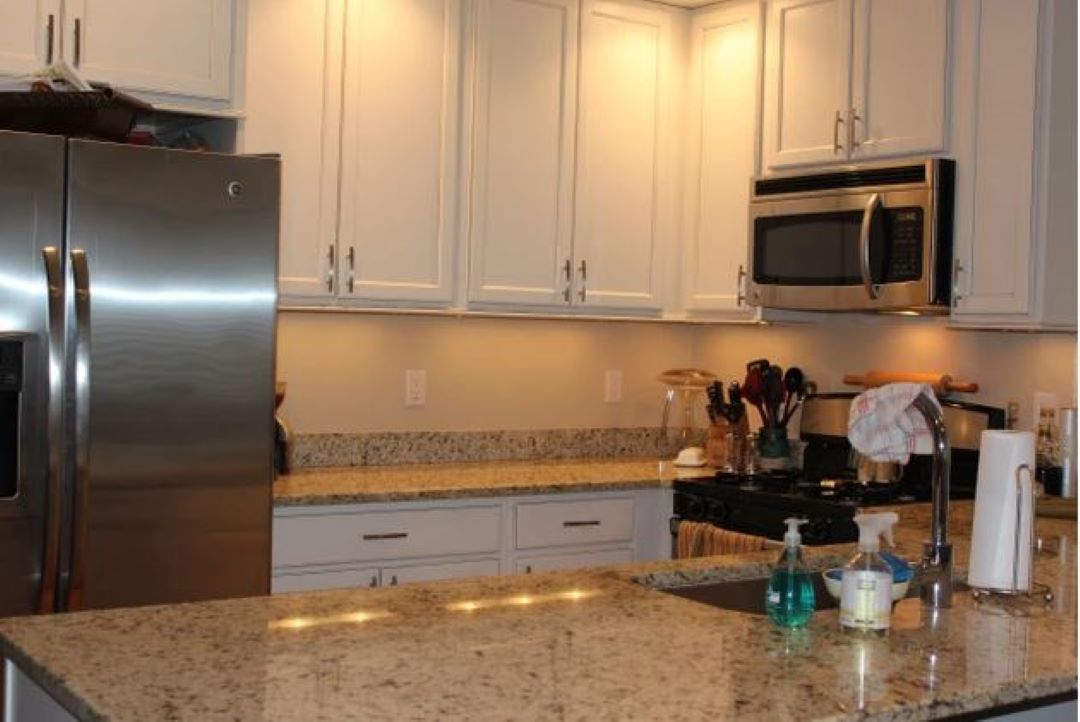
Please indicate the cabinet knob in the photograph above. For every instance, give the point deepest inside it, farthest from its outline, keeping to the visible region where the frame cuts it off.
(393, 580)
(374, 580)
(528, 568)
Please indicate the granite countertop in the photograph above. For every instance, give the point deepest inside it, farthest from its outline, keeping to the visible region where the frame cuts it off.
(588, 644)
(360, 484)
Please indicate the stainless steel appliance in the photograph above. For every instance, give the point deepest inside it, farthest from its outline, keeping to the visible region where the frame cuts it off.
(859, 238)
(827, 491)
(137, 331)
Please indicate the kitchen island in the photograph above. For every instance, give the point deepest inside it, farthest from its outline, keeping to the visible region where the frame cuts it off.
(590, 644)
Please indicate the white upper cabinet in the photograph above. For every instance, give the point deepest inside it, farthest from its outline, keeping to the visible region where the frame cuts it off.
(166, 47)
(724, 78)
(304, 131)
(625, 156)
(29, 35)
(521, 194)
(400, 150)
(1016, 154)
(807, 55)
(898, 74)
(850, 79)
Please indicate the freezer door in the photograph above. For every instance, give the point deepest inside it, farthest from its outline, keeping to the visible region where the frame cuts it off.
(172, 322)
(31, 218)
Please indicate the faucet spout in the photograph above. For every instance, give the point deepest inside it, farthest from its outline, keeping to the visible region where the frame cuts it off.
(936, 570)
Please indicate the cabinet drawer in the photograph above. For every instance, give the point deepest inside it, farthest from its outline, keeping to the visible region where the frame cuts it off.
(573, 561)
(335, 538)
(562, 523)
(393, 576)
(338, 579)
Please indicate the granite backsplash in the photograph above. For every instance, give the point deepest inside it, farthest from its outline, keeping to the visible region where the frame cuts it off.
(423, 447)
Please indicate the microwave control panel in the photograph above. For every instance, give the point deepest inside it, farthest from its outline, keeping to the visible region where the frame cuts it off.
(904, 248)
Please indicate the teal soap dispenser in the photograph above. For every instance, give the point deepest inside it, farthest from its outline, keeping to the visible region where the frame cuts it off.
(789, 600)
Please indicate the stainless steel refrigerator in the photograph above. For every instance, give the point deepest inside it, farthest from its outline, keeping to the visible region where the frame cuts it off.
(137, 333)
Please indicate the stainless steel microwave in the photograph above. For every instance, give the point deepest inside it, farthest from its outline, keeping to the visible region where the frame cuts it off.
(857, 238)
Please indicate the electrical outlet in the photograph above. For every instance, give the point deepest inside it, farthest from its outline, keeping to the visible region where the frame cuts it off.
(612, 387)
(1045, 403)
(415, 387)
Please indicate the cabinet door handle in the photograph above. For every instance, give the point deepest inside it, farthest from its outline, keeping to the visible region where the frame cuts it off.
(853, 117)
(393, 580)
(957, 267)
(384, 537)
(528, 568)
(50, 38)
(374, 580)
(567, 278)
(583, 269)
(588, 522)
(78, 42)
(330, 269)
(837, 122)
(352, 268)
(740, 297)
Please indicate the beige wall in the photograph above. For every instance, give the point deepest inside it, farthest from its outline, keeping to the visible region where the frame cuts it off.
(346, 372)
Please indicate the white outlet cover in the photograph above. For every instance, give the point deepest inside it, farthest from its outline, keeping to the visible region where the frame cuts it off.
(613, 387)
(415, 387)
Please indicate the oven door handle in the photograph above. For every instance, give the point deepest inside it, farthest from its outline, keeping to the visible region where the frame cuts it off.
(871, 207)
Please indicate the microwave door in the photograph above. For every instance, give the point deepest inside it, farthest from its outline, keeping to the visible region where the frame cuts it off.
(841, 251)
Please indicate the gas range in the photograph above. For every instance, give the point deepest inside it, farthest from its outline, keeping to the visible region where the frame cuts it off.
(827, 492)
(759, 504)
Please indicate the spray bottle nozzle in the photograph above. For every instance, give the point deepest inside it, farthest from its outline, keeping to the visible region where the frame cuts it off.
(872, 527)
(792, 538)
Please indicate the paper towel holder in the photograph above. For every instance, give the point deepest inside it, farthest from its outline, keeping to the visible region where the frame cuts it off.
(1035, 589)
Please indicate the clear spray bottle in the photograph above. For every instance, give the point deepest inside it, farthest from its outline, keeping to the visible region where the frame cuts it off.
(789, 599)
(866, 584)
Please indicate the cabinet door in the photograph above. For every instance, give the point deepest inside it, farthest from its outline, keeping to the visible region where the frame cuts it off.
(399, 149)
(175, 47)
(898, 77)
(624, 154)
(304, 130)
(807, 58)
(995, 224)
(312, 581)
(393, 576)
(28, 29)
(725, 63)
(521, 215)
(547, 563)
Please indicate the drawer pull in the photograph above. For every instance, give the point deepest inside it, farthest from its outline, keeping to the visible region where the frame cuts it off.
(383, 537)
(590, 522)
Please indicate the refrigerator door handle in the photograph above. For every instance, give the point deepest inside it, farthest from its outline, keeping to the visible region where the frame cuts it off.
(80, 274)
(50, 562)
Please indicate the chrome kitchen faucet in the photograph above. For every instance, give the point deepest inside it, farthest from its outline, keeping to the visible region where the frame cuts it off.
(936, 569)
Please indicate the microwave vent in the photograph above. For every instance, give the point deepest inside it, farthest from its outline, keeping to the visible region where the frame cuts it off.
(861, 178)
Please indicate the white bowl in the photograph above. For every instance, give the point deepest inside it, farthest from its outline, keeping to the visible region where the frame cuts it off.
(833, 584)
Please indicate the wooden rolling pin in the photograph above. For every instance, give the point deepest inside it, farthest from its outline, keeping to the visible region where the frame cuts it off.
(942, 383)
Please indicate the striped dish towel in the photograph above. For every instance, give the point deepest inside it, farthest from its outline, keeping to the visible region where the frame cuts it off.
(883, 424)
(701, 539)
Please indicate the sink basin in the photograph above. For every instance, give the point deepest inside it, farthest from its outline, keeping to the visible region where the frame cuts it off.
(745, 595)
(748, 595)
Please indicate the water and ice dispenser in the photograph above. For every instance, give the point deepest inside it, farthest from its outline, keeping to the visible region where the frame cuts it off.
(11, 387)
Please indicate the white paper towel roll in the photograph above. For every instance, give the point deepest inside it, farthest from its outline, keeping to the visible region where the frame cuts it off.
(1004, 457)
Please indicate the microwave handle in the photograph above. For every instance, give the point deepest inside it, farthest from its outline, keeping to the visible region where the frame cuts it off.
(864, 245)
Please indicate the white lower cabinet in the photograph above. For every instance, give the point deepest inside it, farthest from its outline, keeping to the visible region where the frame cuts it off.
(372, 545)
(552, 562)
(336, 579)
(393, 576)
